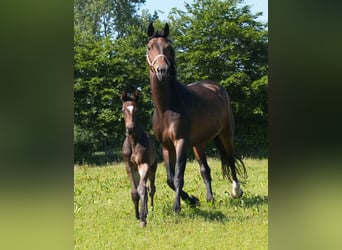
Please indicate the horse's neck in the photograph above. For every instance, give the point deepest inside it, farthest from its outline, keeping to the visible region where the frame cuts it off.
(162, 92)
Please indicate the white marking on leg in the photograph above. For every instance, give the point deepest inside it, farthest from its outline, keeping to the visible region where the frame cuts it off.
(236, 191)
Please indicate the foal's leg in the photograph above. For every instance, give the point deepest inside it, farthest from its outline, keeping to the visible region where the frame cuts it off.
(152, 177)
(133, 178)
(143, 169)
(199, 151)
(227, 142)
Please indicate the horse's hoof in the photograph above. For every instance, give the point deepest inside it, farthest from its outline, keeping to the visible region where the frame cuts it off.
(177, 210)
(143, 223)
(211, 201)
(194, 201)
(237, 196)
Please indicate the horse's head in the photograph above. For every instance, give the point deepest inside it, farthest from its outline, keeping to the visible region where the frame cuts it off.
(160, 54)
(129, 109)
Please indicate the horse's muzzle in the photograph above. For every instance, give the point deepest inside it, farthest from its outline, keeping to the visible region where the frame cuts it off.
(161, 72)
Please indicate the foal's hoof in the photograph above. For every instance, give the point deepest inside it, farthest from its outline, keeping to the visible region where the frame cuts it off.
(194, 201)
(211, 202)
(176, 208)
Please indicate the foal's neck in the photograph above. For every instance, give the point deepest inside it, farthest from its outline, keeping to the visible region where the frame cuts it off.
(136, 137)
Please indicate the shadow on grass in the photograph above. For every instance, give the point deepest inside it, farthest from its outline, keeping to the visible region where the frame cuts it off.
(194, 213)
(245, 201)
(212, 212)
(206, 215)
(251, 201)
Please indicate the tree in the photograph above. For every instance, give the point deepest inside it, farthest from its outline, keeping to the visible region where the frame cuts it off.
(106, 18)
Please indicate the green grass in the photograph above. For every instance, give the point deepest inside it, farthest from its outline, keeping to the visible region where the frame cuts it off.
(104, 217)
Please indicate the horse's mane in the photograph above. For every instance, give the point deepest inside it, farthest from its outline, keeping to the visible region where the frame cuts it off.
(159, 34)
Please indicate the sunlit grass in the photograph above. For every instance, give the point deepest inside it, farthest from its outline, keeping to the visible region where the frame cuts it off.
(104, 217)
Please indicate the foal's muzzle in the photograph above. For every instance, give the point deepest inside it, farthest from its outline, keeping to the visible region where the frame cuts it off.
(130, 130)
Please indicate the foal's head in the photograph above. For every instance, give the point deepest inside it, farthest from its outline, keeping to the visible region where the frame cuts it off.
(160, 54)
(129, 109)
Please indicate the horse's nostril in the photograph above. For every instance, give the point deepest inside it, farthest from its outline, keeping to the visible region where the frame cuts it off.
(161, 70)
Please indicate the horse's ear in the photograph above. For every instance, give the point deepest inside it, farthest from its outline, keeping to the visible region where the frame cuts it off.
(150, 30)
(136, 95)
(123, 96)
(165, 31)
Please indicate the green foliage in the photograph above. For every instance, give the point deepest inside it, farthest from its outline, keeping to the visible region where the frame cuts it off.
(104, 217)
(105, 18)
(84, 144)
(215, 40)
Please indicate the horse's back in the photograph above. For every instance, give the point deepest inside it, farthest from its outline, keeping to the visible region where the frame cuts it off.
(205, 86)
(211, 110)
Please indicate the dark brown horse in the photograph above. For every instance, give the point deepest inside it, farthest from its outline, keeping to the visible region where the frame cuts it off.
(189, 116)
(139, 154)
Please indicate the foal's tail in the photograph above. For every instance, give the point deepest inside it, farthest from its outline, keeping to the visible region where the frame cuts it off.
(229, 162)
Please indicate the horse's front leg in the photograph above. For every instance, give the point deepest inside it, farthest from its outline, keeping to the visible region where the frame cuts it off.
(169, 156)
(181, 157)
(142, 191)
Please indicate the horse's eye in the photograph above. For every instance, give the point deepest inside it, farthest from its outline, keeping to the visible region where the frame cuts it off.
(148, 48)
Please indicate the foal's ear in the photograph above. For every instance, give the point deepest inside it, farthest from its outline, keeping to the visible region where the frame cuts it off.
(123, 96)
(136, 95)
(150, 30)
(165, 32)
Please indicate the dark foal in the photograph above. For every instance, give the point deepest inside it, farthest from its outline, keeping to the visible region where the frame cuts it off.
(139, 154)
(189, 116)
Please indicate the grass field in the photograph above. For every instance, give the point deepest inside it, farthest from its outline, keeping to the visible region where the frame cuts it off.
(104, 217)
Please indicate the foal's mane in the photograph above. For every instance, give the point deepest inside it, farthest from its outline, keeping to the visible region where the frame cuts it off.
(134, 97)
(130, 98)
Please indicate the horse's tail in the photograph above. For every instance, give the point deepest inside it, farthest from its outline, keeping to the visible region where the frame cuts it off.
(230, 162)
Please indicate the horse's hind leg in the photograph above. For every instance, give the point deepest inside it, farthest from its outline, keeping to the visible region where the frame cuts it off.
(227, 141)
(201, 158)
